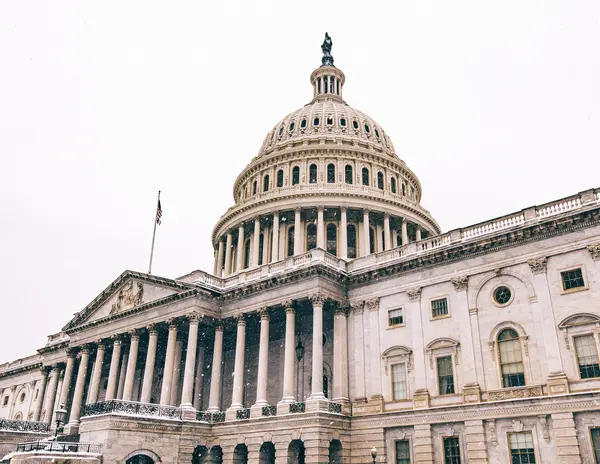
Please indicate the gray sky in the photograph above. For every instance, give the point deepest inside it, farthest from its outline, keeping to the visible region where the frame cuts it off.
(494, 105)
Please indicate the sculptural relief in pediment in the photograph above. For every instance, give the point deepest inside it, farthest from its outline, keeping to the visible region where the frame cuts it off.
(128, 297)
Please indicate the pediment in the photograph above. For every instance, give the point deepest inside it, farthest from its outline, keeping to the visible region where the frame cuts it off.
(129, 290)
(443, 342)
(396, 351)
(579, 319)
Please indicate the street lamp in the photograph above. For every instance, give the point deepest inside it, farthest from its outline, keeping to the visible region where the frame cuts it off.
(299, 350)
(373, 454)
(61, 417)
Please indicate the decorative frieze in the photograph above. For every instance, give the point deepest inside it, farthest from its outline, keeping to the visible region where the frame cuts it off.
(538, 265)
(512, 393)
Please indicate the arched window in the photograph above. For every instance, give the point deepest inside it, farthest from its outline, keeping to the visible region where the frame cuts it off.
(266, 183)
(280, 178)
(380, 181)
(371, 240)
(332, 239)
(330, 173)
(403, 189)
(393, 184)
(246, 253)
(351, 233)
(365, 176)
(312, 174)
(349, 175)
(311, 236)
(254, 188)
(261, 244)
(511, 359)
(290, 241)
(240, 454)
(296, 175)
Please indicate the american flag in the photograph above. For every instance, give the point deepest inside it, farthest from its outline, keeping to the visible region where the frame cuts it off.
(158, 212)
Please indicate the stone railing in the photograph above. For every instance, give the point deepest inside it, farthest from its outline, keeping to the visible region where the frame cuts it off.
(24, 426)
(242, 414)
(60, 447)
(269, 411)
(131, 408)
(210, 417)
(335, 408)
(297, 407)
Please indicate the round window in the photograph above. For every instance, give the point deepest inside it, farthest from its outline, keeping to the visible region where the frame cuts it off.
(502, 295)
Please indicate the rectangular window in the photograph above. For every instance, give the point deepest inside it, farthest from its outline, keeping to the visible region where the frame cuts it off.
(587, 356)
(451, 450)
(439, 307)
(396, 317)
(596, 444)
(521, 448)
(445, 375)
(399, 387)
(572, 279)
(5, 402)
(402, 452)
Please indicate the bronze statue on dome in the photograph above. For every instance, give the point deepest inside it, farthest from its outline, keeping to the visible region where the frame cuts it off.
(327, 59)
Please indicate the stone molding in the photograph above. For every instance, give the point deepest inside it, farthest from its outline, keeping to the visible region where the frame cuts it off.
(538, 265)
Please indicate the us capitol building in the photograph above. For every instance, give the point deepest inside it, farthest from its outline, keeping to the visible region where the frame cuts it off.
(338, 325)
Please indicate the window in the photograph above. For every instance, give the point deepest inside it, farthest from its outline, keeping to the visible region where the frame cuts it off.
(451, 450)
(329, 121)
(5, 402)
(247, 253)
(380, 181)
(403, 189)
(332, 239)
(303, 124)
(330, 173)
(311, 237)
(445, 375)
(316, 121)
(393, 184)
(36, 393)
(511, 359)
(266, 183)
(312, 174)
(587, 356)
(399, 388)
(439, 307)
(351, 234)
(295, 175)
(502, 295)
(355, 124)
(22, 397)
(521, 448)
(290, 241)
(376, 133)
(596, 443)
(261, 245)
(572, 279)
(343, 122)
(395, 317)
(365, 176)
(292, 125)
(371, 240)
(402, 452)
(367, 129)
(280, 178)
(349, 176)
(254, 188)
(280, 131)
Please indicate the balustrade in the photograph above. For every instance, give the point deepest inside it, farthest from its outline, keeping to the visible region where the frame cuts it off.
(24, 426)
(131, 408)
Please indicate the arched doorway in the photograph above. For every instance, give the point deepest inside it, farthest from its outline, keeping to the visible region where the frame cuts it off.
(200, 455)
(140, 459)
(215, 456)
(267, 453)
(296, 452)
(335, 452)
(240, 454)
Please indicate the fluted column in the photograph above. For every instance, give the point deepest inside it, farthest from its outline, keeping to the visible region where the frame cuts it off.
(240, 249)
(366, 245)
(256, 243)
(320, 228)
(340, 354)
(214, 401)
(238, 373)
(228, 254)
(73, 425)
(38, 406)
(165, 392)
(131, 365)
(289, 354)
(199, 378)
(275, 239)
(297, 225)
(66, 385)
(421, 394)
(122, 372)
(387, 236)
(317, 347)
(96, 374)
(176, 377)
(343, 251)
(52, 390)
(150, 361)
(404, 232)
(190, 362)
(111, 387)
(220, 252)
(263, 360)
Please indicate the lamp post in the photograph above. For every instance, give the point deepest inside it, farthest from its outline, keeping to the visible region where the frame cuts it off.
(299, 356)
(374, 454)
(61, 417)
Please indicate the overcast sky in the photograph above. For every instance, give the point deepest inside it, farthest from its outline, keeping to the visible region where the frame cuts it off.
(494, 105)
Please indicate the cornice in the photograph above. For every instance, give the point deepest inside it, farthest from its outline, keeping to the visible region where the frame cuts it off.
(21, 369)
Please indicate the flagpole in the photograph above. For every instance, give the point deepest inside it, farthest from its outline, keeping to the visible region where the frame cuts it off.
(153, 235)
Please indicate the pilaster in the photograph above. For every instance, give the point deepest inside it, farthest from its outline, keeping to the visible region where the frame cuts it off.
(423, 445)
(476, 443)
(565, 434)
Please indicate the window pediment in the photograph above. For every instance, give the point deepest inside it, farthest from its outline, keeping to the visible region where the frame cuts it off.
(444, 344)
(397, 354)
(576, 322)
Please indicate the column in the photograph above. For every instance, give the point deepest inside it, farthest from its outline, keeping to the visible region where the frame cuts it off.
(359, 351)
(199, 378)
(387, 236)
(421, 394)
(418, 234)
(476, 443)
(122, 373)
(423, 444)
(320, 228)
(404, 232)
(38, 406)
(131, 365)
(297, 229)
(96, 374)
(73, 425)
(216, 258)
(150, 360)
(317, 347)
(256, 242)
(111, 387)
(238, 373)
(340, 354)
(240, 248)
(374, 389)
(275, 240)
(366, 245)
(190, 362)
(289, 354)
(64, 394)
(220, 253)
(165, 392)
(52, 390)
(343, 251)
(228, 254)
(176, 372)
(266, 255)
(214, 401)
(263, 360)
(567, 445)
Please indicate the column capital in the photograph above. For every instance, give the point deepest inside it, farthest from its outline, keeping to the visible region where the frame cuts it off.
(297, 210)
(193, 317)
(357, 308)
(218, 326)
(275, 213)
(45, 370)
(372, 304)
(116, 339)
(152, 328)
(172, 323)
(366, 211)
(288, 304)
(343, 209)
(71, 352)
(341, 309)
(594, 251)
(84, 349)
(538, 265)
(256, 218)
(460, 283)
(414, 294)
(317, 299)
(320, 208)
(100, 344)
(386, 215)
(240, 319)
(133, 333)
(264, 313)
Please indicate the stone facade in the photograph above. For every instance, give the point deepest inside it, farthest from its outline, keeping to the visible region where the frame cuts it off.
(337, 319)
